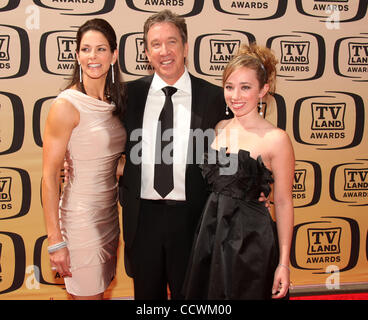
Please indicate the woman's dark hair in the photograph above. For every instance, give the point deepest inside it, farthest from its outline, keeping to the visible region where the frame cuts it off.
(115, 91)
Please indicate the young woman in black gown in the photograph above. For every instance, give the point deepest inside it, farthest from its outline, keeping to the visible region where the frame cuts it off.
(240, 251)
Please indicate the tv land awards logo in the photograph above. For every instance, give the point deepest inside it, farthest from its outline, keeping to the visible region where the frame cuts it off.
(57, 52)
(14, 52)
(301, 55)
(5, 193)
(15, 193)
(213, 51)
(330, 122)
(4, 51)
(358, 54)
(331, 241)
(223, 50)
(133, 64)
(78, 7)
(337, 10)
(349, 183)
(185, 8)
(324, 241)
(351, 58)
(307, 183)
(295, 52)
(328, 116)
(252, 10)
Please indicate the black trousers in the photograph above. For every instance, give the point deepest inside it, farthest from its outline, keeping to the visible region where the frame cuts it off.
(161, 249)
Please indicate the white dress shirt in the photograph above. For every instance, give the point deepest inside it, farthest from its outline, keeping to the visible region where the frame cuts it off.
(182, 101)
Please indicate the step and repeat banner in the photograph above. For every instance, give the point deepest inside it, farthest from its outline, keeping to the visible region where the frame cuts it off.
(320, 100)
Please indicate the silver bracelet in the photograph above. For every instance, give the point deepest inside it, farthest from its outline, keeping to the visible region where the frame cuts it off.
(285, 266)
(56, 247)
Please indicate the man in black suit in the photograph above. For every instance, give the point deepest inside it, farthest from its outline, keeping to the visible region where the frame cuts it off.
(158, 227)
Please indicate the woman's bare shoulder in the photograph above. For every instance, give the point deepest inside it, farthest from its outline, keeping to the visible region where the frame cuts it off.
(63, 111)
(222, 124)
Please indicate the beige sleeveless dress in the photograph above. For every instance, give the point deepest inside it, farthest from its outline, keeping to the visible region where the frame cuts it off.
(88, 207)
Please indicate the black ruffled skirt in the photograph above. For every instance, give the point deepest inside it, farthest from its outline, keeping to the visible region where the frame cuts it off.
(235, 251)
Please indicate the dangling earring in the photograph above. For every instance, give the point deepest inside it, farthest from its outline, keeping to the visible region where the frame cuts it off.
(260, 107)
(112, 73)
(80, 72)
(227, 110)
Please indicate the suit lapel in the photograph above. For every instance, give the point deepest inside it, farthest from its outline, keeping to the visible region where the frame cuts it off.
(197, 116)
(137, 97)
(197, 104)
(140, 101)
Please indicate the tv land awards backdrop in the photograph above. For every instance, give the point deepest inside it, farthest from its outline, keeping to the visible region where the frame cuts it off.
(320, 101)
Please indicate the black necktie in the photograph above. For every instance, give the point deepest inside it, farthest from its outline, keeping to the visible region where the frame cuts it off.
(164, 175)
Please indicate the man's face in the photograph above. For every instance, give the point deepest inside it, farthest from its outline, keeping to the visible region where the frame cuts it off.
(166, 51)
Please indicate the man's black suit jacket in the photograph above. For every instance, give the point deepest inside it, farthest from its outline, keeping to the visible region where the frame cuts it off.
(208, 108)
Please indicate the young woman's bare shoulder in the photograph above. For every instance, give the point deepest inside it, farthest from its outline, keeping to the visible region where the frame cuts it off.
(279, 139)
(222, 124)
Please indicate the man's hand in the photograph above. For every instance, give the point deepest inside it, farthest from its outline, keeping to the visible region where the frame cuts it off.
(266, 201)
(66, 171)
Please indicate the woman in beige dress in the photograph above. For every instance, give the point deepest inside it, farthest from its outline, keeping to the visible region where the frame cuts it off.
(84, 126)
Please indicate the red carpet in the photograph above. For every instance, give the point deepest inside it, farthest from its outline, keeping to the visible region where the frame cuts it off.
(348, 296)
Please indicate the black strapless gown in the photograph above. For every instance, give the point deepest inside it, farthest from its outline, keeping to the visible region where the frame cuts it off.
(235, 250)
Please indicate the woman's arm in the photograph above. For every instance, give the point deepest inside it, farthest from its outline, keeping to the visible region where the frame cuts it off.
(283, 164)
(61, 120)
